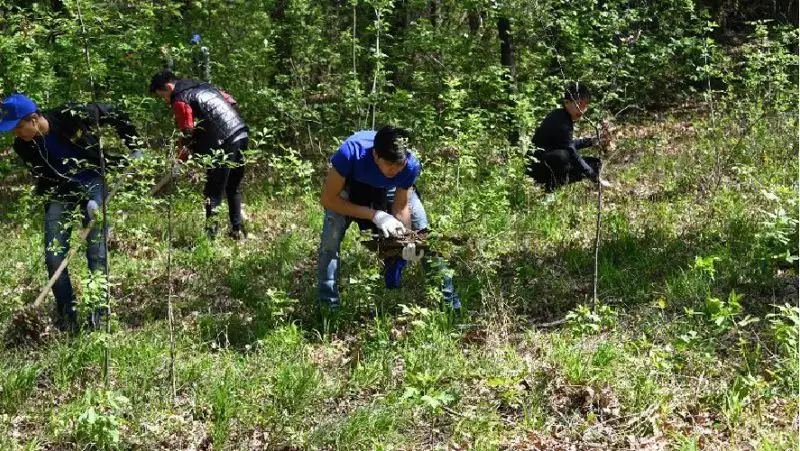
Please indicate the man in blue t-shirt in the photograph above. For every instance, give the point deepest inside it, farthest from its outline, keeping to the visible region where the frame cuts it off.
(371, 181)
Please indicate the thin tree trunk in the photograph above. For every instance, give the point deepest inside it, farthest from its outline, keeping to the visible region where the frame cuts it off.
(378, 65)
(436, 13)
(104, 191)
(283, 40)
(597, 243)
(506, 45)
(170, 313)
(355, 41)
(474, 19)
(507, 60)
(397, 28)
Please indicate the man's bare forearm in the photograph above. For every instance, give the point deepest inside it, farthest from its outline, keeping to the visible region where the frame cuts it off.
(345, 208)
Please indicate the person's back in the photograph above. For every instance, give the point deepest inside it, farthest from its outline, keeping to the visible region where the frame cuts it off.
(68, 154)
(555, 131)
(218, 120)
(209, 121)
(365, 184)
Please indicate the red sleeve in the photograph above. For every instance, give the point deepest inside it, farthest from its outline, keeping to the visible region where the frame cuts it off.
(183, 115)
(228, 97)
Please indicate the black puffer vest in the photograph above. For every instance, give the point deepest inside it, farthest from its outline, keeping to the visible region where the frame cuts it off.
(217, 121)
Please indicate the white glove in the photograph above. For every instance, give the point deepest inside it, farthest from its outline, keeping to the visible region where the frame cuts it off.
(605, 183)
(410, 253)
(178, 168)
(388, 224)
(91, 209)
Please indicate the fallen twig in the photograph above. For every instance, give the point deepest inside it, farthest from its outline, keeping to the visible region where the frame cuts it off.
(557, 322)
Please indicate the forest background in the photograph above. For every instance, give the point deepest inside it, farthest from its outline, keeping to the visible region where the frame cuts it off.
(693, 341)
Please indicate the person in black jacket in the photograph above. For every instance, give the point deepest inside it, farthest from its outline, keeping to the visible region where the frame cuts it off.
(556, 160)
(209, 121)
(60, 147)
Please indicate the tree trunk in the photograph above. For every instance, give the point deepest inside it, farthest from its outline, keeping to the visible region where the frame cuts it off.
(397, 27)
(283, 40)
(436, 13)
(507, 60)
(475, 22)
(506, 46)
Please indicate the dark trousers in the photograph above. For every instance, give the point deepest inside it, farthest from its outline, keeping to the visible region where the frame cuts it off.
(555, 168)
(225, 178)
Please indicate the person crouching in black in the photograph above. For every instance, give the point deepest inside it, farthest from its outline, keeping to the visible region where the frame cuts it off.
(556, 161)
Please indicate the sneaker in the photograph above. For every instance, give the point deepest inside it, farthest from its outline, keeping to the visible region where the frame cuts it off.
(94, 320)
(67, 325)
(211, 232)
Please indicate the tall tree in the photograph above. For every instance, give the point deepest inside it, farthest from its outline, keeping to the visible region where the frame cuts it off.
(283, 39)
(507, 60)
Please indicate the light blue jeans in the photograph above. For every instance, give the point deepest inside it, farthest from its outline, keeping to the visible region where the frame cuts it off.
(333, 230)
(57, 232)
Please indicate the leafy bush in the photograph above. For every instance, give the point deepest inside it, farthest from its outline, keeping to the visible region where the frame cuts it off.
(585, 321)
(785, 329)
(95, 420)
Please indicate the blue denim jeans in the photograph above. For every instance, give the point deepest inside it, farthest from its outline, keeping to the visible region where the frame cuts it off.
(57, 231)
(333, 230)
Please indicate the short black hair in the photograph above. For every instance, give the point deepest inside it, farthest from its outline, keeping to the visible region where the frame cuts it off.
(577, 91)
(160, 80)
(391, 144)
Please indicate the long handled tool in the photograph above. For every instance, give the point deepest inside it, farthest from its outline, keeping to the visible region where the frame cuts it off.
(85, 232)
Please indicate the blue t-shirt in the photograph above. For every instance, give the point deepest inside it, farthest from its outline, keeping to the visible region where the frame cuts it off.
(62, 155)
(354, 160)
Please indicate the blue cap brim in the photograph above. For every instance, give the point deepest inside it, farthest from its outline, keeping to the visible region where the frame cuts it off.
(8, 125)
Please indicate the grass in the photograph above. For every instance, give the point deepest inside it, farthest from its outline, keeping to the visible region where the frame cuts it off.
(673, 358)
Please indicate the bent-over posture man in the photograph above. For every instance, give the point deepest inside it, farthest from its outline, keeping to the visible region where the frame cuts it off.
(209, 120)
(372, 182)
(557, 160)
(61, 149)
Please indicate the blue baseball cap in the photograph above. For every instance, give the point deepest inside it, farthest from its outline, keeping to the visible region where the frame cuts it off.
(15, 108)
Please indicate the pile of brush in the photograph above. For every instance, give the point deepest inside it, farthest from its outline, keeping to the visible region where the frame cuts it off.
(30, 326)
(392, 247)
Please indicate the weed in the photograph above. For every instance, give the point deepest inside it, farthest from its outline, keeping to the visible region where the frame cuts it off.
(15, 386)
(94, 420)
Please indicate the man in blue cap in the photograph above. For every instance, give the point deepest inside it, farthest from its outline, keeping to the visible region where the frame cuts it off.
(61, 149)
(372, 174)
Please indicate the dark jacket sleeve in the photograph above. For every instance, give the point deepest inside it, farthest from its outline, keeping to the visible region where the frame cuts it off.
(585, 142)
(25, 151)
(565, 141)
(77, 123)
(110, 115)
